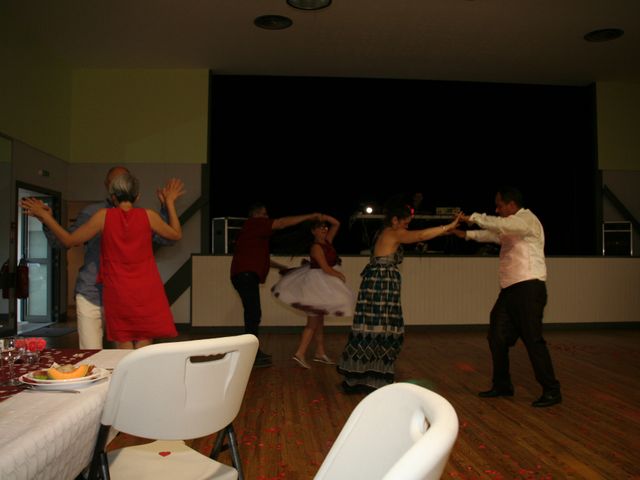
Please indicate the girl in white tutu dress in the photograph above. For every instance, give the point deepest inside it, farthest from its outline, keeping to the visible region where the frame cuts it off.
(318, 289)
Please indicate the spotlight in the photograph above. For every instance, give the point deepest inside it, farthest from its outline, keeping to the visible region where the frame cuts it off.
(604, 35)
(309, 4)
(273, 22)
(367, 207)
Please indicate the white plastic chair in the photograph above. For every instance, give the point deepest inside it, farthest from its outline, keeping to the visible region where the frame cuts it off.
(175, 391)
(399, 432)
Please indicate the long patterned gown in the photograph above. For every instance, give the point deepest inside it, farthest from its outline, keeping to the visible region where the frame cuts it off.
(377, 332)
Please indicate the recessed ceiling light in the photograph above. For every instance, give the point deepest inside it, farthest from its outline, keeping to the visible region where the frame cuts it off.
(273, 22)
(604, 35)
(309, 4)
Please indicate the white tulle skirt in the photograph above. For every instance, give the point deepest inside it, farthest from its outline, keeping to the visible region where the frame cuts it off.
(315, 293)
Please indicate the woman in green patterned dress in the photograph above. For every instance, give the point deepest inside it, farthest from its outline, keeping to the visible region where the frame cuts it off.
(377, 333)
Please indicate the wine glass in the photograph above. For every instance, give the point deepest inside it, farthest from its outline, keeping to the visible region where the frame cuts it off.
(10, 353)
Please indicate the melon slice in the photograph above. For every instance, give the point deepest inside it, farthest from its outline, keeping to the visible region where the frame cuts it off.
(65, 372)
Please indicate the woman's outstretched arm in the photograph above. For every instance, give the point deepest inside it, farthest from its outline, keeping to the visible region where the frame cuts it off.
(36, 208)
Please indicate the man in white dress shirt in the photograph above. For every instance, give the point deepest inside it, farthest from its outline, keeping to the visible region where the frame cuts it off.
(519, 308)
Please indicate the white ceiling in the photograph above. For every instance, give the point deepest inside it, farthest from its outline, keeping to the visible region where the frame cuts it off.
(519, 41)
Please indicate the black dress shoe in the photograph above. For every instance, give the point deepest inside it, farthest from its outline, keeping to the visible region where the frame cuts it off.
(262, 362)
(349, 389)
(547, 399)
(497, 392)
(262, 354)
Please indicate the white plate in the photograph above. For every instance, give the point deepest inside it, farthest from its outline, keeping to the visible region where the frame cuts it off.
(97, 374)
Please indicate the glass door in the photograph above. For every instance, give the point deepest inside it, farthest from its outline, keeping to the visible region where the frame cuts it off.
(35, 252)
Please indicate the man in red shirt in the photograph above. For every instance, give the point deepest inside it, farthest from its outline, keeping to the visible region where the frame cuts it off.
(251, 263)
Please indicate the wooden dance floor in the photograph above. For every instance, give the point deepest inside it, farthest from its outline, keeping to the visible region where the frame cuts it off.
(291, 416)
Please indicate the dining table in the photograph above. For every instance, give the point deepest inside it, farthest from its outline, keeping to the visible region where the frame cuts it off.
(50, 434)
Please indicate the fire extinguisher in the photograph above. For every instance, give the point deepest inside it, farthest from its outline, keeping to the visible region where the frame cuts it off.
(22, 279)
(4, 272)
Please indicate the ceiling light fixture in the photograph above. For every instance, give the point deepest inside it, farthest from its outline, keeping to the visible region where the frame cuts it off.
(604, 35)
(273, 22)
(309, 4)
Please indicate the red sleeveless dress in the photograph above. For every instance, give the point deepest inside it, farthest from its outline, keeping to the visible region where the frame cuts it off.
(133, 296)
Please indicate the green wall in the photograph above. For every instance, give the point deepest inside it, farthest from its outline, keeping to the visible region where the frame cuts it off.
(36, 105)
(106, 116)
(139, 116)
(618, 107)
(5, 150)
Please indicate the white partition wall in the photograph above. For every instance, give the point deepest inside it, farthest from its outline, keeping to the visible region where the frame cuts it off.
(440, 291)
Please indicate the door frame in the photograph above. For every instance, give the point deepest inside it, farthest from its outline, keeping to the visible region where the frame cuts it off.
(55, 274)
(8, 322)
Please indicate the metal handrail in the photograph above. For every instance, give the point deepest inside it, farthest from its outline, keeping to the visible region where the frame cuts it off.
(624, 211)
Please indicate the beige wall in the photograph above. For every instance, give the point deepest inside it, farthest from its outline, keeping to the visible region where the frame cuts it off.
(35, 167)
(440, 291)
(5, 152)
(139, 116)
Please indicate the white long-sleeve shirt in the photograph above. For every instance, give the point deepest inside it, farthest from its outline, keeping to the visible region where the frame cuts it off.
(521, 240)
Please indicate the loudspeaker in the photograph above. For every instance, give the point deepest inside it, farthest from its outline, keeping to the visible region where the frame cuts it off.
(224, 234)
(617, 239)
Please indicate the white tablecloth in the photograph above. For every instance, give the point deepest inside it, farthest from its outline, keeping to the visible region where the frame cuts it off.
(51, 435)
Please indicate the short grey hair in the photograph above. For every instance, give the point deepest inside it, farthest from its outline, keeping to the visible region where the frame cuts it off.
(125, 188)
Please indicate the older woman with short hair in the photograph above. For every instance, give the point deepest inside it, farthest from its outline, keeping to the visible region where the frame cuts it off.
(135, 305)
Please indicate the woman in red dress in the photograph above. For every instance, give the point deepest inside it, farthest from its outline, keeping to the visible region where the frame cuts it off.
(136, 308)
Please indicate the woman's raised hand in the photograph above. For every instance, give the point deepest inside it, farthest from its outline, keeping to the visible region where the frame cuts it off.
(457, 219)
(173, 189)
(34, 207)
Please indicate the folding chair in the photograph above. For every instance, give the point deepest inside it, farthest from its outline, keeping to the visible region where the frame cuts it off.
(171, 392)
(399, 432)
